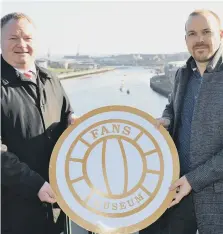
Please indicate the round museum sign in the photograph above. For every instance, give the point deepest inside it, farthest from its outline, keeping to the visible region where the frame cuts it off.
(111, 171)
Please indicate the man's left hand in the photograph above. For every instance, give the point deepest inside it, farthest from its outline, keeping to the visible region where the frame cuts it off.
(72, 118)
(183, 189)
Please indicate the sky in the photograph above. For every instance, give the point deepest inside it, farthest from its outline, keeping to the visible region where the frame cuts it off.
(102, 27)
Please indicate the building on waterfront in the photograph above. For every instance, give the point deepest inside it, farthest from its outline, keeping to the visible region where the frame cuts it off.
(42, 63)
(59, 63)
(78, 66)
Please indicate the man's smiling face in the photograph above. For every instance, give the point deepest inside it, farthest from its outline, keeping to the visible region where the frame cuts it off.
(18, 43)
(203, 36)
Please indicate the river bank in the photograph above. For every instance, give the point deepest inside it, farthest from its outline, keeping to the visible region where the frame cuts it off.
(161, 84)
(69, 75)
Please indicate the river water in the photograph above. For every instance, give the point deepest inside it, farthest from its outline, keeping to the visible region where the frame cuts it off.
(94, 91)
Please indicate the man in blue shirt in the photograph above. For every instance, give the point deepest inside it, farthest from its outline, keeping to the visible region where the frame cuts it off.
(194, 119)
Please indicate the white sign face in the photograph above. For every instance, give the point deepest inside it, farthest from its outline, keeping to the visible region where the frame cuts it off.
(112, 170)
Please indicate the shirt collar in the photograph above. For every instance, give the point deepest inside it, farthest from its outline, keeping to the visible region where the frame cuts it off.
(213, 64)
(193, 65)
(32, 69)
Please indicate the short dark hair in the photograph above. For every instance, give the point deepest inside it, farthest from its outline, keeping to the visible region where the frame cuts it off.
(203, 12)
(16, 16)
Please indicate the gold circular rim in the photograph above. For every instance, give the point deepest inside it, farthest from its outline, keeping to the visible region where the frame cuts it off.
(76, 218)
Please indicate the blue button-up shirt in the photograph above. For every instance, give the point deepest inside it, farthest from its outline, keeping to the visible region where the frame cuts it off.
(184, 130)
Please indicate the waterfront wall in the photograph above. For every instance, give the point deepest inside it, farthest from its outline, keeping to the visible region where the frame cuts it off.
(69, 75)
(161, 84)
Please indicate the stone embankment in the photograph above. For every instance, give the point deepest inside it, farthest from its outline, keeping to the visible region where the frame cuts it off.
(69, 75)
(161, 84)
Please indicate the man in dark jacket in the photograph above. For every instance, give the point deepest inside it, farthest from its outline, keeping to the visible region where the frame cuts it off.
(194, 118)
(34, 113)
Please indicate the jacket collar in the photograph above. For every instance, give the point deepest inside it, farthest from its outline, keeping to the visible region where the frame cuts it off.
(11, 75)
(215, 64)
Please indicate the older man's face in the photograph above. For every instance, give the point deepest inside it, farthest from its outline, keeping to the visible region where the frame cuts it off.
(18, 43)
(203, 37)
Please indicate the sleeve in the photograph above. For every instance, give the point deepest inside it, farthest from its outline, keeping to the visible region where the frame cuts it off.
(66, 107)
(17, 176)
(209, 172)
(168, 112)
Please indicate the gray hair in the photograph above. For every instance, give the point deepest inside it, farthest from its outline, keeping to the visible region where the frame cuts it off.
(16, 16)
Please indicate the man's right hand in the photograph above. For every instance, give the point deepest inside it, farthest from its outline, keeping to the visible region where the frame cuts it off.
(46, 194)
(162, 121)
